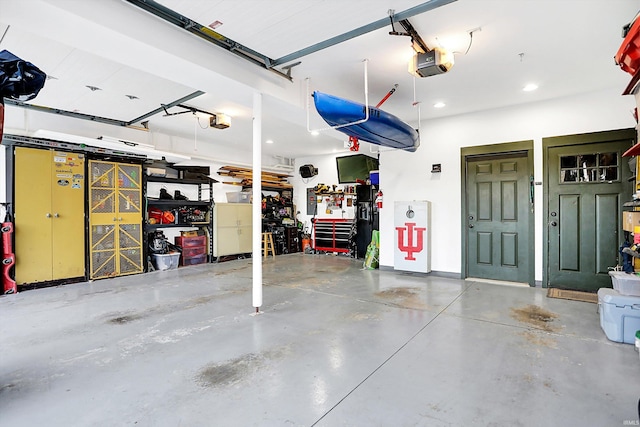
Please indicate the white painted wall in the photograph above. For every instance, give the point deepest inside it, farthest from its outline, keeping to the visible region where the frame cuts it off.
(403, 176)
(407, 176)
(327, 174)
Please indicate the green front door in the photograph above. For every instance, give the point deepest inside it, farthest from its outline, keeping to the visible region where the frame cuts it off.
(587, 185)
(499, 210)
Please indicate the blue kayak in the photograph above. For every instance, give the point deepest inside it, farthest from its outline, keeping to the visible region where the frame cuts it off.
(382, 128)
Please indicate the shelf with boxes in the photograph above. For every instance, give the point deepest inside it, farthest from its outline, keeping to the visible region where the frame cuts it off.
(183, 209)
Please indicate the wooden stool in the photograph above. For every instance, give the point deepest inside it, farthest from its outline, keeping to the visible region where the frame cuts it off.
(267, 245)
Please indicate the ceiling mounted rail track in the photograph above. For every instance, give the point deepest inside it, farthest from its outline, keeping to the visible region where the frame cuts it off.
(262, 60)
(208, 34)
(99, 119)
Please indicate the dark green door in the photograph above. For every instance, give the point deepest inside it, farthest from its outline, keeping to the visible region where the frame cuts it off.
(587, 186)
(498, 216)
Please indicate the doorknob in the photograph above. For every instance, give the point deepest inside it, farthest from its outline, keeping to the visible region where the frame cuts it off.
(553, 223)
(55, 215)
(470, 225)
(48, 215)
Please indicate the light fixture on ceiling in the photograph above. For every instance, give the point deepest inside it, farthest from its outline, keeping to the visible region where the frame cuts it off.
(530, 87)
(315, 133)
(92, 88)
(431, 63)
(269, 141)
(220, 121)
(439, 105)
(132, 97)
(426, 61)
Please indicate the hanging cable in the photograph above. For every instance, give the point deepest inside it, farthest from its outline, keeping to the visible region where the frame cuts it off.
(196, 124)
(417, 103)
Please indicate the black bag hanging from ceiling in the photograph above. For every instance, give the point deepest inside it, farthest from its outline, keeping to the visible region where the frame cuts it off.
(19, 79)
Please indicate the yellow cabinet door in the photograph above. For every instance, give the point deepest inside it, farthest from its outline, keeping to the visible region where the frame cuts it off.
(129, 209)
(115, 197)
(49, 215)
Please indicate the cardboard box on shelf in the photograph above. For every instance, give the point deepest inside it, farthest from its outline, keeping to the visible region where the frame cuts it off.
(629, 220)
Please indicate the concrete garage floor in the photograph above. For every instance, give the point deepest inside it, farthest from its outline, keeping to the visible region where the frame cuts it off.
(335, 346)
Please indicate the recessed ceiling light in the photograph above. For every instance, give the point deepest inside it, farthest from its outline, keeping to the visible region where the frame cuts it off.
(439, 105)
(315, 133)
(269, 141)
(530, 87)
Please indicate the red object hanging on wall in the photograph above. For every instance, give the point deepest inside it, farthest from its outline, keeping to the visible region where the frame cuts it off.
(628, 56)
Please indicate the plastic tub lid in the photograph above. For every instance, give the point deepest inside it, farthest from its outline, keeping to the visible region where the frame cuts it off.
(611, 296)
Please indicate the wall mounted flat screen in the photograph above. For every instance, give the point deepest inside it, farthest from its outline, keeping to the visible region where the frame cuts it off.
(354, 168)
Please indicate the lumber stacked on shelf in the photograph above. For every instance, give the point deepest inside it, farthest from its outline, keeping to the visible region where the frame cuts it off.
(269, 179)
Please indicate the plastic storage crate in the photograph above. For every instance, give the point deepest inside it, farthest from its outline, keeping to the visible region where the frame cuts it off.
(239, 197)
(198, 259)
(165, 261)
(626, 284)
(190, 241)
(190, 252)
(619, 315)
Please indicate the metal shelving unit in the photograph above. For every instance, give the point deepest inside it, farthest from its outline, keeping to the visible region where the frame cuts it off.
(205, 201)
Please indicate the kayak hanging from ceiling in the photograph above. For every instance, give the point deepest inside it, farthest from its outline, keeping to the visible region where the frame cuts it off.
(381, 128)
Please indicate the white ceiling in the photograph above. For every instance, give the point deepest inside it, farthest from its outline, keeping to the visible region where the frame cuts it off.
(564, 46)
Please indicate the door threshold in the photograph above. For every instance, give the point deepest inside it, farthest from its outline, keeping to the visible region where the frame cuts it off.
(498, 282)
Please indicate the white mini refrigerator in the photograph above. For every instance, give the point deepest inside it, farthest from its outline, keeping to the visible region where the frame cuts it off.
(412, 231)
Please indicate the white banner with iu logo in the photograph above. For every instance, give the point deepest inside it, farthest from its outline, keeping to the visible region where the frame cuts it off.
(412, 228)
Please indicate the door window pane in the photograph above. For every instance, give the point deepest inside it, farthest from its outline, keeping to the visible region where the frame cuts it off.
(597, 167)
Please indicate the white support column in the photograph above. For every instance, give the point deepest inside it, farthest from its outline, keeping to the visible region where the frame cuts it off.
(257, 201)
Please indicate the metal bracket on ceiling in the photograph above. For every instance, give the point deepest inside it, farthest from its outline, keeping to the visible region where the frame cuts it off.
(187, 109)
(287, 68)
(416, 41)
(393, 31)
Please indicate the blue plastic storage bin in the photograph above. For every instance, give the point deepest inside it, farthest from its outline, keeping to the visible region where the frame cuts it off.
(619, 315)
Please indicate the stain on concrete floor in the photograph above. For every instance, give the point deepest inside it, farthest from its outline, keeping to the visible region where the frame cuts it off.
(120, 320)
(403, 296)
(536, 316)
(229, 372)
(539, 340)
(239, 369)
